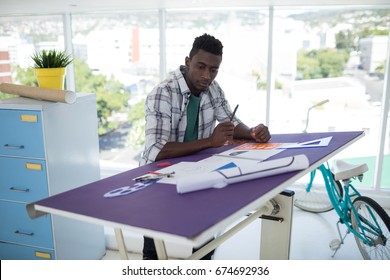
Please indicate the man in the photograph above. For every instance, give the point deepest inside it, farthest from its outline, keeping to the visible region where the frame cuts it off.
(181, 113)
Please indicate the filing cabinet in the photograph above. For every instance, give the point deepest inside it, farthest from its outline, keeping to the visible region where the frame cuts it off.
(46, 148)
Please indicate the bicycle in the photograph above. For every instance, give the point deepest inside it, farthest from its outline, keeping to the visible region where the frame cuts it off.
(363, 216)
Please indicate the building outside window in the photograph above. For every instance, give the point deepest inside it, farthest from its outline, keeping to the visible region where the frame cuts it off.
(120, 52)
(20, 37)
(337, 55)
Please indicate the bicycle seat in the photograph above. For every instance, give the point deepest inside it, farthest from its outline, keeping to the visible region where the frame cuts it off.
(343, 170)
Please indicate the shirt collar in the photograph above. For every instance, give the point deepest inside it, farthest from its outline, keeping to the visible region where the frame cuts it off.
(182, 82)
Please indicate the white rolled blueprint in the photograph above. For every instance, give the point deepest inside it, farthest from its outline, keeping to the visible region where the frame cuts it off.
(55, 95)
(244, 172)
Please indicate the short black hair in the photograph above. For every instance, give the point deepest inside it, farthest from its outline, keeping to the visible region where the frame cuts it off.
(207, 43)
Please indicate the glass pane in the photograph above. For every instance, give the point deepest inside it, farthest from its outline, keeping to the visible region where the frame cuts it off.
(385, 182)
(337, 55)
(244, 36)
(117, 57)
(20, 37)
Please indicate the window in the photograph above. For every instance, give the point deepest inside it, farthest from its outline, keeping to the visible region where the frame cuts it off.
(331, 54)
(117, 57)
(385, 181)
(20, 37)
(244, 35)
(319, 53)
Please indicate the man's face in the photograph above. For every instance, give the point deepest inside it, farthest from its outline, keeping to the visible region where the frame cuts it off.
(201, 70)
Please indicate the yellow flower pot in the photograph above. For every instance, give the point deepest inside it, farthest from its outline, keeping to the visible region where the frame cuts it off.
(50, 77)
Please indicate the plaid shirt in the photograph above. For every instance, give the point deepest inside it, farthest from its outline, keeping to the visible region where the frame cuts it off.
(166, 113)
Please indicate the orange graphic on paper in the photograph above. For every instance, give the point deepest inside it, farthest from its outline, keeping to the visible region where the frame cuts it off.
(258, 146)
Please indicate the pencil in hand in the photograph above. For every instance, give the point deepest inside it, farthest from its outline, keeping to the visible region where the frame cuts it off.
(234, 113)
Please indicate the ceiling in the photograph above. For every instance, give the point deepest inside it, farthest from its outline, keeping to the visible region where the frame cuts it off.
(20, 7)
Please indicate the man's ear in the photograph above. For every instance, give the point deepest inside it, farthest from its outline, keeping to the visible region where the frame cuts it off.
(188, 61)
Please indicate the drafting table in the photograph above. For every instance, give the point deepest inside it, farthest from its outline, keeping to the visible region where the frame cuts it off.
(194, 218)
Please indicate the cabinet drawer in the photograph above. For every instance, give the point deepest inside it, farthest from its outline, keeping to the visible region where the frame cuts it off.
(17, 227)
(21, 133)
(17, 252)
(22, 179)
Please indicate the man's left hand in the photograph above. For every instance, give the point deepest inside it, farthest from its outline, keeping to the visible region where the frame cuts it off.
(260, 133)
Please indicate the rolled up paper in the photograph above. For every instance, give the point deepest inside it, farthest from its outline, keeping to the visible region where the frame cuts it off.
(222, 178)
(48, 94)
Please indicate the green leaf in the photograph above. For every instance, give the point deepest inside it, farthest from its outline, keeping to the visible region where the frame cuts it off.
(51, 59)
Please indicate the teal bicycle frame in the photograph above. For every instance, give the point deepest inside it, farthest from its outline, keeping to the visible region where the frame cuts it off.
(343, 205)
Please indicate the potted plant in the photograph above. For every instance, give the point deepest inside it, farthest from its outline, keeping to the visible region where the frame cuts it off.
(49, 67)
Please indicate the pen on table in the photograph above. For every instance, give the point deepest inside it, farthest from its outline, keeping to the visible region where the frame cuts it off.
(159, 173)
(153, 175)
(170, 174)
(234, 113)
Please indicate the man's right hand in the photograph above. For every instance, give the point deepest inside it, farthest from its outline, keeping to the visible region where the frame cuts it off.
(222, 133)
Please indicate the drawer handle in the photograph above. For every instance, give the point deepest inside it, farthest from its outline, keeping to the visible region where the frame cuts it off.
(29, 118)
(13, 147)
(33, 166)
(19, 190)
(42, 255)
(24, 233)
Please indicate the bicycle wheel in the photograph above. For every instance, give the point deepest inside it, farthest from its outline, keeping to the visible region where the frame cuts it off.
(373, 225)
(316, 200)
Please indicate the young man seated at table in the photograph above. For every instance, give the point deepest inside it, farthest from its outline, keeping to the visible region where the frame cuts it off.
(181, 113)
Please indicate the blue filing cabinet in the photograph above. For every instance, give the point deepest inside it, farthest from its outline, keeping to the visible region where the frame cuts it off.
(46, 148)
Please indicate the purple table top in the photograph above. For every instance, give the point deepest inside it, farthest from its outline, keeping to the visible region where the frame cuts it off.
(160, 208)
